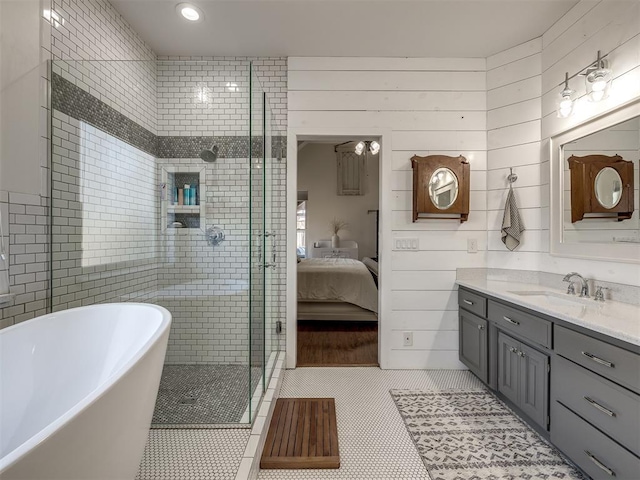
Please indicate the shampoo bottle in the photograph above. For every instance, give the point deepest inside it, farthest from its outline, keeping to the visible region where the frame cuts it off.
(187, 195)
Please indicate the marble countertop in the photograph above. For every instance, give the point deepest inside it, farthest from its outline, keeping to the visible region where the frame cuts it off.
(615, 319)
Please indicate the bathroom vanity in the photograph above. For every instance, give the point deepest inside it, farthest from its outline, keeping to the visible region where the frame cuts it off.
(569, 366)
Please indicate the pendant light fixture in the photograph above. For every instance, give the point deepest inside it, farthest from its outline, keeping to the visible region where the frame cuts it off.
(372, 146)
(598, 79)
(566, 99)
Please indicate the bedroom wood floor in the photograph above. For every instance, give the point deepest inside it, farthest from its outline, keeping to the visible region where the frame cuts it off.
(330, 344)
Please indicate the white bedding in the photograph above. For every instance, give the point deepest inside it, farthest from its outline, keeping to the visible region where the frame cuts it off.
(338, 279)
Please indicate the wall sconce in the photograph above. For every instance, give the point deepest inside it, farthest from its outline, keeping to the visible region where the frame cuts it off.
(598, 79)
(373, 146)
(565, 100)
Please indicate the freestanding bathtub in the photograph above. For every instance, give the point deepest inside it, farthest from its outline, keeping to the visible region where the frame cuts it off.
(77, 391)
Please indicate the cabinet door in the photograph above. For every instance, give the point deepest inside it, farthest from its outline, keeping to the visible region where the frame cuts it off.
(534, 384)
(508, 369)
(473, 344)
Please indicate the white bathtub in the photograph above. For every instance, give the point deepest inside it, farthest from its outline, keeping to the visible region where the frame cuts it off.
(77, 391)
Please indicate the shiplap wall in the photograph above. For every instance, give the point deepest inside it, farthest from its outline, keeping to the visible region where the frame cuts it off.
(431, 105)
(513, 140)
(522, 85)
(570, 45)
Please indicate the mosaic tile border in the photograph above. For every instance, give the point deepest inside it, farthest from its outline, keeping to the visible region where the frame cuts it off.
(81, 105)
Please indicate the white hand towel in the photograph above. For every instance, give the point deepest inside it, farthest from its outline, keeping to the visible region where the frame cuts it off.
(512, 226)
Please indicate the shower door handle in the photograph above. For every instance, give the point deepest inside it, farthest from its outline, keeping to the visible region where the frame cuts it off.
(260, 250)
(273, 250)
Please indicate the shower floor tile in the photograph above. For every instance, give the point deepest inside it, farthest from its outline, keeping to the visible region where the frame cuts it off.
(203, 394)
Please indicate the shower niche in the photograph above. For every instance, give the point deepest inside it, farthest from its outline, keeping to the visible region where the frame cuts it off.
(182, 194)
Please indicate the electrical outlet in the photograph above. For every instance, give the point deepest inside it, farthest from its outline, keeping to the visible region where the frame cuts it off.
(407, 339)
(472, 245)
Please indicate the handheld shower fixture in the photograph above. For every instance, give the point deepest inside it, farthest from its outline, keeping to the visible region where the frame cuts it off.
(210, 155)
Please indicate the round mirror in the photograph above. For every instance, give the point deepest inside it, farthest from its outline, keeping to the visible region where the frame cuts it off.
(443, 188)
(608, 187)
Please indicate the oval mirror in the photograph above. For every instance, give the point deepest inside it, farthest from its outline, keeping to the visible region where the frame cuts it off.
(443, 188)
(608, 187)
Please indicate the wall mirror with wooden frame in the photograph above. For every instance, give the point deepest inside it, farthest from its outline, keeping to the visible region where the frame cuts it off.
(440, 187)
(594, 188)
(601, 187)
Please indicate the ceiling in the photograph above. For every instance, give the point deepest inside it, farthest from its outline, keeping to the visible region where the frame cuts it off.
(389, 28)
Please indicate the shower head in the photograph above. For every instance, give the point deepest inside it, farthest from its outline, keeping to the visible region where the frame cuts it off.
(210, 155)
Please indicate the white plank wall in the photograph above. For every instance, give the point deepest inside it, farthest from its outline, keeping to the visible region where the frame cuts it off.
(571, 44)
(513, 140)
(431, 106)
(522, 85)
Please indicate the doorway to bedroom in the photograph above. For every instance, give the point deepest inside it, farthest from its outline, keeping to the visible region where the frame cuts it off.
(337, 245)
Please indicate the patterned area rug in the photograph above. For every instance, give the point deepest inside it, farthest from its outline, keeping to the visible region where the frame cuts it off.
(464, 435)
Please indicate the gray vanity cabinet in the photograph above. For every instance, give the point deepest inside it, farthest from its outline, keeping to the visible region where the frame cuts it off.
(589, 401)
(473, 343)
(523, 377)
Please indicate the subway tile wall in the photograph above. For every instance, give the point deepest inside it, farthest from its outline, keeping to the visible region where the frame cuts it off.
(199, 96)
(104, 217)
(84, 30)
(206, 287)
(94, 30)
(25, 229)
(205, 97)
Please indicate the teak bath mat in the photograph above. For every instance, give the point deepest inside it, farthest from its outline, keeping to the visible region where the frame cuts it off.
(303, 434)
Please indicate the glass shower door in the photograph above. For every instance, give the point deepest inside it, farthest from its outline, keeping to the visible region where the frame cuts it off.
(257, 241)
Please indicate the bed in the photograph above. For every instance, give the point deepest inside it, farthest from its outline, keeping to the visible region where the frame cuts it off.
(336, 289)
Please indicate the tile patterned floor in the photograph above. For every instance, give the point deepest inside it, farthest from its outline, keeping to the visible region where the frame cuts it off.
(220, 394)
(193, 454)
(374, 443)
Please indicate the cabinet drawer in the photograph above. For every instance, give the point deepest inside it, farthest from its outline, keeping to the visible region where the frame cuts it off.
(611, 408)
(614, 363)
(472, 302)
(521, 323)
(594, 452)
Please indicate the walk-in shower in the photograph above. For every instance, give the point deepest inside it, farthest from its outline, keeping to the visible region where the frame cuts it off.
(149, 205)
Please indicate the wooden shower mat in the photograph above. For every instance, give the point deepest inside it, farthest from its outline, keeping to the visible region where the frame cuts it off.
(303, 434)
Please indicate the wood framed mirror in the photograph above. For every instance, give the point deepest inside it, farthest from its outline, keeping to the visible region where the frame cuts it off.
(440, 187)
(601, 187)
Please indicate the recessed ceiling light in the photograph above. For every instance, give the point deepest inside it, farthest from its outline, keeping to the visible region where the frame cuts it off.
(190, 12)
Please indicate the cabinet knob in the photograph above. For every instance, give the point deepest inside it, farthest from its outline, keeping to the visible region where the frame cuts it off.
(521, 354)
(513, 350)
(480, 327)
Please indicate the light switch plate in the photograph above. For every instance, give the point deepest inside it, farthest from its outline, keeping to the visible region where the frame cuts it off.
(472, 245)
(406, 243)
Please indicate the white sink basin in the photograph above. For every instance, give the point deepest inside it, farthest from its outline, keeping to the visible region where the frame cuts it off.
(553, 298)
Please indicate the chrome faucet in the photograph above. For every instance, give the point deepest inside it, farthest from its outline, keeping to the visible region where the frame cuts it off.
(584, 290)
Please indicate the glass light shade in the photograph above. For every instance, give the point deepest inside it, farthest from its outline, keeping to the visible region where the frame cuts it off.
(565, 103)
(360, 148)
(598, 83)
(374, 147)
